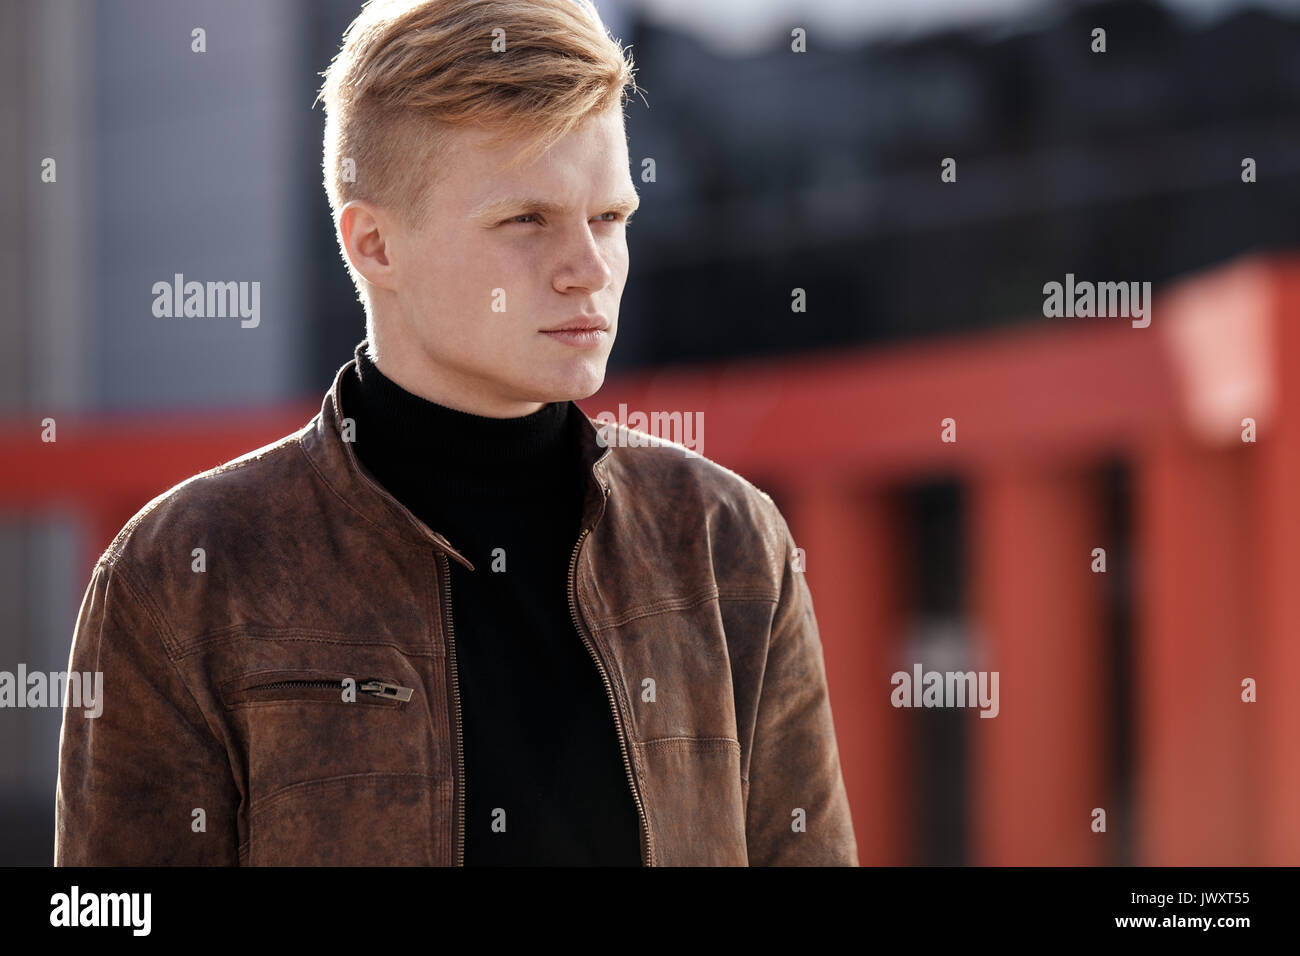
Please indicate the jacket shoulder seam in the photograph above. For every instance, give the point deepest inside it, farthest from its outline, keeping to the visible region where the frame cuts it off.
(150, 608)
(146, 602)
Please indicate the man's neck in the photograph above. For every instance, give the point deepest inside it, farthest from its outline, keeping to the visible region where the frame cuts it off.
(417, 446)
(446, 387)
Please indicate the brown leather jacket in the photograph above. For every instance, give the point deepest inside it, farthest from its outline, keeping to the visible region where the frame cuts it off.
(230, 733)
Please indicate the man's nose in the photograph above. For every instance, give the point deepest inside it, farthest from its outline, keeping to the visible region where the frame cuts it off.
(584, 262)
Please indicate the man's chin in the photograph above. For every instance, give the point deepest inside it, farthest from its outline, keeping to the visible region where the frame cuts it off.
(573, 382)
(569, 394)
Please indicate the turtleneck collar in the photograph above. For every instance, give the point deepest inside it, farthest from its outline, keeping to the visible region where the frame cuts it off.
(416, 446)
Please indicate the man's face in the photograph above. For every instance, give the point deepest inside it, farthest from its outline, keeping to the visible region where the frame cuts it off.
(462, 306)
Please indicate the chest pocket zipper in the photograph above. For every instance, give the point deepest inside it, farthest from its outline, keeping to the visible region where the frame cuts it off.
(372, 686)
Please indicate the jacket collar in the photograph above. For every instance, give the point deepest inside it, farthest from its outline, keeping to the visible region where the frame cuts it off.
(335, 460)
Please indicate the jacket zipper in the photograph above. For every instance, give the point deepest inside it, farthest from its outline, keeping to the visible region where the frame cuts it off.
(647, 850)
(455, 696)
(377, 688)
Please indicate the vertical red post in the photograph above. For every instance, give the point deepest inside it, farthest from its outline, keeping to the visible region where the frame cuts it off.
(1195, 622)
(851, 544)
(1278, 767)
(1039, 766)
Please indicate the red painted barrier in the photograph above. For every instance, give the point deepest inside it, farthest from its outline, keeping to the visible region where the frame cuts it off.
(832, 436)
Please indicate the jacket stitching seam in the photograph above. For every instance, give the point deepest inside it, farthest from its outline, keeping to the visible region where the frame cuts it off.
(686, 603)
(674, 603)
(712, 743)
(146, 601)
(276, 795)
(748, 594)
(293, 634)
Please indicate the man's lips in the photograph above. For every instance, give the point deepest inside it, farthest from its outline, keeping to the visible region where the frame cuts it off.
(581, 323)
(584, 333)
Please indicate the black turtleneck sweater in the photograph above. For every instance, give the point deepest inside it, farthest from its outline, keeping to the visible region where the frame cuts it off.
(539, 737)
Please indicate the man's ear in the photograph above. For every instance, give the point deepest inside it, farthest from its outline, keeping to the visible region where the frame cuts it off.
(367, 234)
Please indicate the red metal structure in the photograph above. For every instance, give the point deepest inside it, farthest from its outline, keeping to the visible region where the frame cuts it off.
(1217, 538)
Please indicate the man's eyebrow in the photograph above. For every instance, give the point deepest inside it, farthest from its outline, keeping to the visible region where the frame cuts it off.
(492, 209)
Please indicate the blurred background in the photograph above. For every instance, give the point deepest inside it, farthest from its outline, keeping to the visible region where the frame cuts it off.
(1115, 530)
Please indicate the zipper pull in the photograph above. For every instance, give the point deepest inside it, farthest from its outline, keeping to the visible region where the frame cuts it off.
(383, 688)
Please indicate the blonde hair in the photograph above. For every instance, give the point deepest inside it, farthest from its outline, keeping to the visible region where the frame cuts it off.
(409, 71)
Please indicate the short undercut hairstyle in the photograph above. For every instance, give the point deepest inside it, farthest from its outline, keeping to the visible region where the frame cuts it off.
(410, 71)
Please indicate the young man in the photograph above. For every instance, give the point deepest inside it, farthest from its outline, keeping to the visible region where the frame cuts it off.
(452, 620)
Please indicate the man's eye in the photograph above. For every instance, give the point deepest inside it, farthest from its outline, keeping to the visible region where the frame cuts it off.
(617, 217)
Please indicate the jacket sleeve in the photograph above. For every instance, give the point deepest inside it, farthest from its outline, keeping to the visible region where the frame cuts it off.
(794, 764)
(131, 778)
